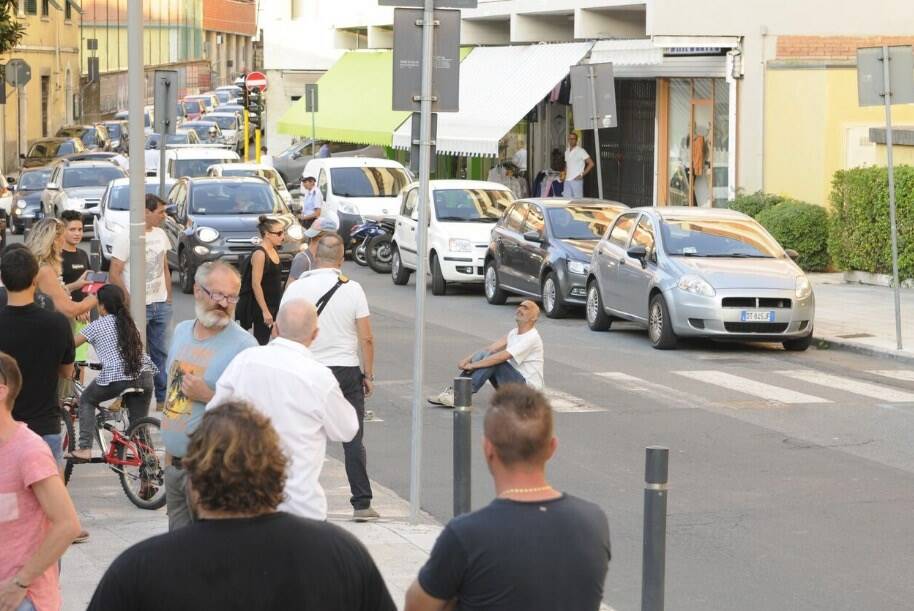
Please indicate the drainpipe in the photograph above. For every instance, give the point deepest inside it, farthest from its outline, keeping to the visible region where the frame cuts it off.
(764, 32)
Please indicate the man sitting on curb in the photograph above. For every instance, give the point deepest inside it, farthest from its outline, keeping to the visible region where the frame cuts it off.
(533, 547)
(517, 357)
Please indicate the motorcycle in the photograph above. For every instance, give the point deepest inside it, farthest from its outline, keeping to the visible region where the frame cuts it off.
(373, 249)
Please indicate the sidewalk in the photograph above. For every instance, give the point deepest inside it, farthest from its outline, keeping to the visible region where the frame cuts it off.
(398, 548)
(862, 317)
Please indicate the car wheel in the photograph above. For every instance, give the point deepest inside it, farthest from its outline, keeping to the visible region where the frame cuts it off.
(398, 273)
(799, 344)
(552, 302)
(186, 272)
(597, 318)
(439, 284)
(494, 294)
(659, 326)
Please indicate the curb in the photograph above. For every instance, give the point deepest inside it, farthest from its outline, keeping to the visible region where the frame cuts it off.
(851, 346)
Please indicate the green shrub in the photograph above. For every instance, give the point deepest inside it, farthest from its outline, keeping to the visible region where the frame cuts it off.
(755, 203)
(802, 227)
(859, 236)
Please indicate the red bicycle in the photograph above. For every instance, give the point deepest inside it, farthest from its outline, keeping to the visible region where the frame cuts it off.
(133, 450)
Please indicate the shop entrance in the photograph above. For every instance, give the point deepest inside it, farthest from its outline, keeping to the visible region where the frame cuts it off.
(627, 151)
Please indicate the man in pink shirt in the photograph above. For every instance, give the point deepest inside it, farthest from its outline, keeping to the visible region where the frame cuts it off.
(37, 518)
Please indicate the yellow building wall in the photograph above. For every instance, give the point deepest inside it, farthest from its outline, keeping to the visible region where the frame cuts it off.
(808, 112)
(901, 155)
(51, 48)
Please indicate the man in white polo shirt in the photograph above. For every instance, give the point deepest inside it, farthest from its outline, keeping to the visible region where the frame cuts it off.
(345, 332)
(578, 164)
(301, 397)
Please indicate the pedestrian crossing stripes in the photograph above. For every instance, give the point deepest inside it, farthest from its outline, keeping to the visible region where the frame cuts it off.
(857, 387)
(635, 384)
(769, 392)
(565, 403)
(906, 375)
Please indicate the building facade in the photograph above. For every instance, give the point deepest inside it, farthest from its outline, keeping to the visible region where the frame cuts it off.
(47, 102)
(229, 27)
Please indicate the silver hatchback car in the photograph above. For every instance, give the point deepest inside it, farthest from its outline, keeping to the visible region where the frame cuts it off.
(699, 272)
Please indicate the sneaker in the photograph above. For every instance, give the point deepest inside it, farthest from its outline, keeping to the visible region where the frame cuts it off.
(365, 515)
(82, 537)
(445, 398)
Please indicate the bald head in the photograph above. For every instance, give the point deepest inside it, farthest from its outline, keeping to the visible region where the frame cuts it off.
(297, 321)
(527, 313)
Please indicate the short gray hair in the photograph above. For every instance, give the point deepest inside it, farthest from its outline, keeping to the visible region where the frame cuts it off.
(297, 319)
(329, 250)
(203, 272)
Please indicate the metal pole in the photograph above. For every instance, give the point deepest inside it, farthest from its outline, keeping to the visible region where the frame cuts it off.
(247, 134)
(313, 127)
(257, 145)
(136, 95)
(18, 121)
(163, 142)
(425, 122)
(887, 75)
(463, 420)
(653, 563)
(596, 129)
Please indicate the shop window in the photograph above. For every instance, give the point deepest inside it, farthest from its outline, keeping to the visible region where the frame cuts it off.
(31, 7)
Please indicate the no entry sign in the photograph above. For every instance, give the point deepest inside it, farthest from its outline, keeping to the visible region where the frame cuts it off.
(256, 80)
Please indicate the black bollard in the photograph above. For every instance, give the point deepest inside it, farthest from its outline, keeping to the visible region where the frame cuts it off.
(463, 421)
(653, 567)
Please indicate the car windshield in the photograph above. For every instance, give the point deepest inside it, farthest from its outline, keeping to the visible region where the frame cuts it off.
(96, 176)
(478, 205)
(368, 181)
(721, 237)
(33, 181)
(581, 222)
(51, 149)
(114, 130)
(194, 167)
(222, 96)
(224, 122)
(119, 196)
(229, 197)
(152, 141)
(202, 129)
(192, 106)
(272, 176)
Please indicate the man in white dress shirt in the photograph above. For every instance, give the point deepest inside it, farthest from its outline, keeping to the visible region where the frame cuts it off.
(301, 397)
(578, 164)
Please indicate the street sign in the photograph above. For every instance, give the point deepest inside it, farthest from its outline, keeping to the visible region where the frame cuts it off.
(603, 93)
(256, 80)
(18, 72)
(311, 98)
(871, 83)
(407, 79)
(438, 3)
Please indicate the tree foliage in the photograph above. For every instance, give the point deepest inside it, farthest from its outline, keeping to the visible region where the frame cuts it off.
(11, 28)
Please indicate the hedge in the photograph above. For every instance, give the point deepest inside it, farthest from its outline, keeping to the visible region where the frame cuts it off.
(859, 229)
(756, 202)
(802, 227)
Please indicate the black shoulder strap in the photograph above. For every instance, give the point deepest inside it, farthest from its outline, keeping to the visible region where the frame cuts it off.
(325, 298)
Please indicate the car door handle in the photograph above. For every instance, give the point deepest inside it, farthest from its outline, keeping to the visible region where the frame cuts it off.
(622, 262)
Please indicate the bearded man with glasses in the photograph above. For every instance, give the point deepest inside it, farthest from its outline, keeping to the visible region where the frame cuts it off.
(200, 351)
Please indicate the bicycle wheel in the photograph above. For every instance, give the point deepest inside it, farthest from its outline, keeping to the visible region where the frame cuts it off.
(144, 483)
(69, 442)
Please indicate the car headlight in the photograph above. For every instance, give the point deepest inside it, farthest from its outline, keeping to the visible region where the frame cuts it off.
(348, 207)
(459, 245)
(579, 267)
(696, 286)
(802, 287)
(113, 227)
(21, 204)
(207, 234)
(295, 232)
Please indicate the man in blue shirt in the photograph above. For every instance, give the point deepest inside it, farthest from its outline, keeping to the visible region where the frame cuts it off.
(312, 200)
(200, 351)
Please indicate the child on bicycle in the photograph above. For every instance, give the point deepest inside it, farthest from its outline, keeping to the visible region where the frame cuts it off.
(124, 365)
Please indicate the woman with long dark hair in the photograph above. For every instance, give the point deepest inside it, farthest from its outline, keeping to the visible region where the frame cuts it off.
(124, 365)
(266, 277)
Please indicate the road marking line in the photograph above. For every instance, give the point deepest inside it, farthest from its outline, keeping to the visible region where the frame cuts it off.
(565, 403)
(751, 387)
(631, 383)
(905, 375)
(857, 387)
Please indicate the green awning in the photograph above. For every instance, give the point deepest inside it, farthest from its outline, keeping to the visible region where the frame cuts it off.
(354, 100)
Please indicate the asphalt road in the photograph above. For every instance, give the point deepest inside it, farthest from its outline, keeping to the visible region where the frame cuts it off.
(790, 473)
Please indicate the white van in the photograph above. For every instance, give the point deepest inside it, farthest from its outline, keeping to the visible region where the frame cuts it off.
(359, 187)
(461, 218)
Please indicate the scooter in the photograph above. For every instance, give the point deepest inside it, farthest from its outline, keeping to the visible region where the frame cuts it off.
(373, 249)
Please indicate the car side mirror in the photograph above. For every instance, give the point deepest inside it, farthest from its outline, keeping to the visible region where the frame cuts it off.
(533, 236)
(638, 252)
(22, 156)
(794, 255)
(11, 180)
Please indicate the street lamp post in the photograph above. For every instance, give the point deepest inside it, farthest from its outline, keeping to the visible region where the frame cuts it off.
(136, 93)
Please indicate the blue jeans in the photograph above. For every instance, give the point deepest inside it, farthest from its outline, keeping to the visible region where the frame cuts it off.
(503, 373)
(573, 189)
(26, 605)
(55, 442)
(158, 317)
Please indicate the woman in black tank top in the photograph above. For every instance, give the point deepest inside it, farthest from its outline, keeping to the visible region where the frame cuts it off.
(266, 277)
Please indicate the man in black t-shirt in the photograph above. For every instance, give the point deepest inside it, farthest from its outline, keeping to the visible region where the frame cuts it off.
(242, 554)
(74, 262)
(533, 547)
(40, 341)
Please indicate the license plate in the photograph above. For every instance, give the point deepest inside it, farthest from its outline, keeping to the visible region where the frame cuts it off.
(756, 316)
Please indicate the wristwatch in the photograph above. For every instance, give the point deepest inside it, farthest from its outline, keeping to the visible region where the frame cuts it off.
(370, 377)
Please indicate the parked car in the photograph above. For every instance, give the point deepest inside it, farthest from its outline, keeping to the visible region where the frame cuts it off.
(195, 161)
(233, 90)
(238, 109)
(78, 185)
(114, 212)
(541, 248)
(216, 218)
(698, 272)
(117, 135)
(230, 127)
(257, 170)
(292, 161)
(6, 195)
(94, 137)
(359, 188)
(462, 214)
(110, 156)
(152, 152)
(44, 151)
(26, 201)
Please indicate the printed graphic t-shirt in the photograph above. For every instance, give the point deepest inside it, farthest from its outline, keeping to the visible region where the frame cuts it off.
(26, 460)
(208, 359)
(74, 264)
(157, 246)
(527, 355)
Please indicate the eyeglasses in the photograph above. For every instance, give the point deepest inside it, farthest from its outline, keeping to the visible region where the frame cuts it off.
(278, 234)
(217, 297)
